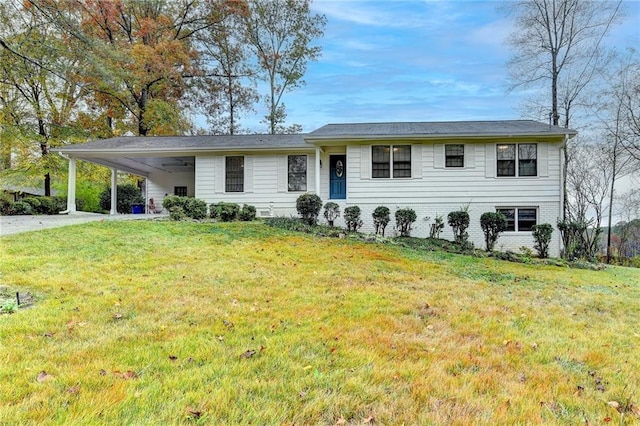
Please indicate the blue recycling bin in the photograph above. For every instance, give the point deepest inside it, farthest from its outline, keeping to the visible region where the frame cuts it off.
(137, 209)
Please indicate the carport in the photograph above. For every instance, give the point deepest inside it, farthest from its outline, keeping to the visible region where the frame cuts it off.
(159, 162)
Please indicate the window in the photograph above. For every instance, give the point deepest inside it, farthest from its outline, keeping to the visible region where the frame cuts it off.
(180, 191)
(389, 160)
(297, 173)
(520, 218)
(454, 155)
(525, 157)
(402, 161)
(234, 174)
(380, 161)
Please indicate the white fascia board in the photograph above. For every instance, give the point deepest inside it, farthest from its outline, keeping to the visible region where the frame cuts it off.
(327, 140)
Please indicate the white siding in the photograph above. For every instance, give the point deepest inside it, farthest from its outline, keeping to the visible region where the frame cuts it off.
(434, 189)
(473, 183)
(161, 183)
(265, 182)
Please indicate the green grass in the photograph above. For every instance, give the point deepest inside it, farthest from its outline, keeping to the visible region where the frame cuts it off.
(147, 323)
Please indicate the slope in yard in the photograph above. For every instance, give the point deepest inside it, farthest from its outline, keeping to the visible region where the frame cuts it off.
(164, 323)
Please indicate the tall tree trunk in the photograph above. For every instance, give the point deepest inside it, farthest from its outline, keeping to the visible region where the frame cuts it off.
(232, 122)
(44, 149)
(143, 129)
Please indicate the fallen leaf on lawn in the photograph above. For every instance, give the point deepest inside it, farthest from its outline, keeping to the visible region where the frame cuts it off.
(635, 409)
(341, 421)
(103, 372)
(192, 412)
(248, 354)
(262, 348)
(43, 377)
(117, 316)
(70, 325)
(126, 375)
(74, 389)
(607, 419)
(534, 345)
(369, 420)
(49, 334)
(173, 357)
(614, 404)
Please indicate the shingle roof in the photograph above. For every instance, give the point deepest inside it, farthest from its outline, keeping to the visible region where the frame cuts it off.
(330, 131)
(438, 128)
(198, 143)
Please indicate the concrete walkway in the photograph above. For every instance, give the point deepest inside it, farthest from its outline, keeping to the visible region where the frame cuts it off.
(16, 224)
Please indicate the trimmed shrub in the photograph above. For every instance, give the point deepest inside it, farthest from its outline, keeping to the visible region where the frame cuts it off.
(492, 224)
(177, 213)
(248, 213)
(48, 206)
(436, 227)
(459, 221)
(308, 207)
(352, 218)
(59, 204)
(404, 220)
(173, 201)
(381, 218)
(34, 203)
(21, 208)
(331, 212)
(195, 208)
(6, 203)
(542, 237)
(127, 194)
(226, 212)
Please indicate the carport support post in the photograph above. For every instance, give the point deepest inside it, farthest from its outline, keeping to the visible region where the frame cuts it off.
(318, 171)
(71, 186)
(114, 191)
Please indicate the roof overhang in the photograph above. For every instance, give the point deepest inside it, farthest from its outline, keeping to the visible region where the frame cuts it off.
(344, 139)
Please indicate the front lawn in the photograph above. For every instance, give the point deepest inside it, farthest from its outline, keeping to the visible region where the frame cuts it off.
(174, 322)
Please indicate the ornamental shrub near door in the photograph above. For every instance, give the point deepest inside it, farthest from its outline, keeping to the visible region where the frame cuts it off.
(352, 218)
(381, 219)
(308, 207)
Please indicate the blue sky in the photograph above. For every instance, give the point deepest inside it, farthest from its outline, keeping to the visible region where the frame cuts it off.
(413, 61)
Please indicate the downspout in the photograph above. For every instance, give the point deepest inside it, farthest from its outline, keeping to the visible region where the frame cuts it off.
(71, 185)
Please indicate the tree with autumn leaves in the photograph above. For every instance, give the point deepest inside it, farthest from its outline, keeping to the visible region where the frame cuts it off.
(82, 69)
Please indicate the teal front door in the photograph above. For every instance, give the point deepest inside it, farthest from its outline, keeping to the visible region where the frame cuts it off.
(338, 177)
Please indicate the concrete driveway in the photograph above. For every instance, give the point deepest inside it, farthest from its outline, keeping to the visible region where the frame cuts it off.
(16, 224)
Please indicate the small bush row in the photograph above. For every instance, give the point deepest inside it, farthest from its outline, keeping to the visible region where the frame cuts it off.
(32, 205)
(492, 223)
(181, 208)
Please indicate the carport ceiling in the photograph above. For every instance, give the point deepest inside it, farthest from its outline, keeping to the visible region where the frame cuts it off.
(144, 166)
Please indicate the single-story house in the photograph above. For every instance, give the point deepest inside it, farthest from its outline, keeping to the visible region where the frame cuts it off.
(513, 166)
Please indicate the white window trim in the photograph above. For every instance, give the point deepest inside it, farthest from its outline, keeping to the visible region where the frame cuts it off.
(516, 208)
(244, 175)
(306, 173)
(517, 160)
(391, 161)
(444, 153)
